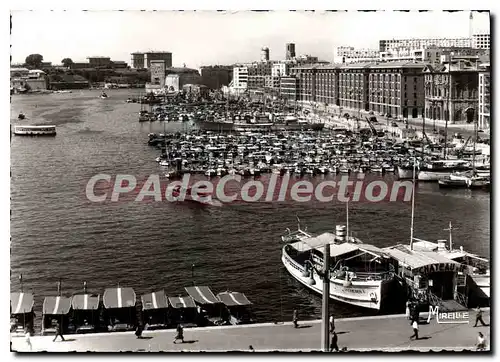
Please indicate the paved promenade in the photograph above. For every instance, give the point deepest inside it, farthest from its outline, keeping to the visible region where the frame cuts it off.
(384, 333)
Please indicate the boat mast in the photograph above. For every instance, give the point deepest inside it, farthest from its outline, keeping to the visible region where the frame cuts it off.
(347, 218)
(474, 150)
(451, 242)
(412, 206)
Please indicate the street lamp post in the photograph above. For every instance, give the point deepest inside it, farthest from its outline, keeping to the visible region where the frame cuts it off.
(325, 276)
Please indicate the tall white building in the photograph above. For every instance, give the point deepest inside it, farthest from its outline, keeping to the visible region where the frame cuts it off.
(481, 41)
(387, 44)
(484, 98)
(346, 54)
(240, 77)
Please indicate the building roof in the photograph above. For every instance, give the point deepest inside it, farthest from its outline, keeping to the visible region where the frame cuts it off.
(181, 70)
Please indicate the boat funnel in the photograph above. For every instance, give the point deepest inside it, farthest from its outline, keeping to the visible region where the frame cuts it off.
(341, 233)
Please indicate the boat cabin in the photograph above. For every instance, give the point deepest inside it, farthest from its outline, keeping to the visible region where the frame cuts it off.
(119, 306)
(211, 309)
(238, 306)
(85, 314)
(55, 310)
(21, 313)
(430, 276)
(155, 310)
(183, 312)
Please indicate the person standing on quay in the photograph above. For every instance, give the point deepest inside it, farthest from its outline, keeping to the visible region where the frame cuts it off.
(334, 343)
(58, 332)
(481, 342)
(332, 324)
(415, 329)
(295, 318)
(479, 317)
(180, 334)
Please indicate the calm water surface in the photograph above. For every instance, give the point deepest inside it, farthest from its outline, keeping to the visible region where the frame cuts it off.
(56, 233)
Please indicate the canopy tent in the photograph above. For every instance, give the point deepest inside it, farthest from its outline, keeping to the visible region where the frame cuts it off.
(119, 298)
(154, 300)
(232, 299)
(202, 295)
(423, 261)
(85, 302)
(56, 305)
(21, 303)
(181, 302)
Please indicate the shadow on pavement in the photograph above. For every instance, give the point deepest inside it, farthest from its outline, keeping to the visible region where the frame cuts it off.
(343, 332)
(305, 326)
(192, 341)
(424, 338)
(145, 337)
(67, 340)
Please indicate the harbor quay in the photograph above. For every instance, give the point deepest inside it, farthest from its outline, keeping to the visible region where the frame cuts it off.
(390, 333)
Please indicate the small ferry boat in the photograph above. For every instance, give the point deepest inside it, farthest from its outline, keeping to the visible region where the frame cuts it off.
(237, 305)
(21, 116)
(203, 198)
(35, 130)
(361, 274)
(213, 311)
(155, 310)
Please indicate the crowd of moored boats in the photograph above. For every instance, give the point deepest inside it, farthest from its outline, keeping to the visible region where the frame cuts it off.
(119, 310)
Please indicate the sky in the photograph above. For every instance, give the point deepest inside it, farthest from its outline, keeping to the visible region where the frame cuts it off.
(210, 37)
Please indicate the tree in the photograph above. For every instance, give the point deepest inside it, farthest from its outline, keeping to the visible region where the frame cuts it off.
(67, 62)
(34, 60)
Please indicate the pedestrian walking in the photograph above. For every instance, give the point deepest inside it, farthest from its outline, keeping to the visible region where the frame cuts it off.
(138, 332)
(332, 324)
(334, 343)
(481, 342)
(27, 337)
(408, 303)
(479, 317)
(180, 334)
(295, 318)
(251, 348)
(58, 332)
(415, 329)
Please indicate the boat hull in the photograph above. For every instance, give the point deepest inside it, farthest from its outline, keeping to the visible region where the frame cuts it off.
(365, 294)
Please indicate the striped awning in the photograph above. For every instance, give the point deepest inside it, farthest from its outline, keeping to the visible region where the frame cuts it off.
(56, 305)
(233, 298)
(181, 302)
(85, 302)
(154, 300)
(202, 295)
(21, 303)
(119, 298)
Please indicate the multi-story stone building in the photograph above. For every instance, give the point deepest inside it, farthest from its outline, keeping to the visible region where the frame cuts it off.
(288, 88)
(484, 97)
(353, 86)
(451, 92)
(100, 62)
(396, 89)
(142, 60)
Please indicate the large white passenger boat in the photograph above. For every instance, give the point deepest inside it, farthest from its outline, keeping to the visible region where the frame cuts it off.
(35, 130)
(361, 274)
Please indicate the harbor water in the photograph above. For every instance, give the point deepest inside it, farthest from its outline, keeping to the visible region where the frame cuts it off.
(56, 233)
